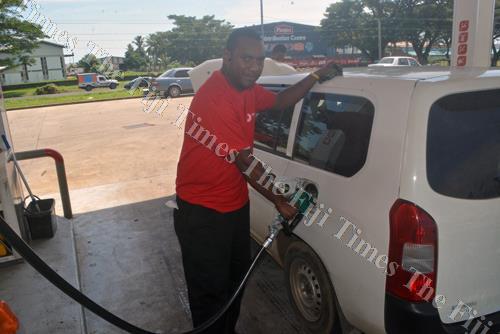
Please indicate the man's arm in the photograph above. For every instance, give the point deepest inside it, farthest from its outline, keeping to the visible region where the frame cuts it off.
(293, 94)
(254, 172)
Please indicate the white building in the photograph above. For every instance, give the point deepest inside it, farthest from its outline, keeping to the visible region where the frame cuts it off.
(114, 62)
(48, 65)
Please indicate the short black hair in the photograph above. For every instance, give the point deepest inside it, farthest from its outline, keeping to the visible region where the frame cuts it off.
(239, 33)
(279, 48)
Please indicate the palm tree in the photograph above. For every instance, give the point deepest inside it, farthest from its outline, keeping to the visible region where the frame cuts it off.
(157, 45)
(139, 43)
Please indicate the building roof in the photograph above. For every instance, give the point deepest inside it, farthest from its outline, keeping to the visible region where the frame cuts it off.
(112, 57)
(284, 22)
(3, 48)
(52, 43)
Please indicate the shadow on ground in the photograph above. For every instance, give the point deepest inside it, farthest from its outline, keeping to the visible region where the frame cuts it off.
(128, 260)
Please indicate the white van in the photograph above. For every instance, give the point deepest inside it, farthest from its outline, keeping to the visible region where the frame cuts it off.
(405, 164)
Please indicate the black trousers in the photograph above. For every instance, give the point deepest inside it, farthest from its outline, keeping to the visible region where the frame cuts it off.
(216, 255)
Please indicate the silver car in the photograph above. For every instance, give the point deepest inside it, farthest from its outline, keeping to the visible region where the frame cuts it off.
(173, 83)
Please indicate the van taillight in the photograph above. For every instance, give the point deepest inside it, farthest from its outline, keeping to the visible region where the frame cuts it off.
(412, 250)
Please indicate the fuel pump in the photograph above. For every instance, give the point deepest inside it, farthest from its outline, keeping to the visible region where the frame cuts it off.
(11, 194)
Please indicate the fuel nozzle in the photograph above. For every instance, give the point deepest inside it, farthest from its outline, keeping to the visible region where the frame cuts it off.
(303, 200)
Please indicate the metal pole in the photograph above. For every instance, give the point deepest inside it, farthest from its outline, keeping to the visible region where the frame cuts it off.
(379, 39)
(262, 18)
(20, 171)
(61, 174)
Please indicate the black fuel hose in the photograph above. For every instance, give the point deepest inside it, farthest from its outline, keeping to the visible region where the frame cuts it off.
(46, 271)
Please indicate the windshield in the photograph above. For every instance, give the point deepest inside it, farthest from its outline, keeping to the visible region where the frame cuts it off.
(463, 145)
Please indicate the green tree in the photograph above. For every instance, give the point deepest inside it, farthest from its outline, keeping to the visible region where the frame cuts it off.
(134, 60)
(157, 45)
(355, 23)
(423, 23)
(18, 37)
(196, 40)
(139, 43)
(89, 63)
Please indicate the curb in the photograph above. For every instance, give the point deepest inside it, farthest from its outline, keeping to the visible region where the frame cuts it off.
(79, 102)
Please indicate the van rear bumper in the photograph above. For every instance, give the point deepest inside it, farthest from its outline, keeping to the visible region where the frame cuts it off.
(402, 317)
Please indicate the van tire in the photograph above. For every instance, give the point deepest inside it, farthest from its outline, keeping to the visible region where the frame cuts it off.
(88, 88)
(112, 86)
(310, 290)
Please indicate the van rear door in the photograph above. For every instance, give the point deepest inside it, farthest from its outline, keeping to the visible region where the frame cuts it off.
(461, 191)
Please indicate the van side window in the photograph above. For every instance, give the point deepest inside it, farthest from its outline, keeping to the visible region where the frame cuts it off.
(271, 130)
(334, 132)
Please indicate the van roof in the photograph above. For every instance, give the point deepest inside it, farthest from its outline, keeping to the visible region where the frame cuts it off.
(424, 73)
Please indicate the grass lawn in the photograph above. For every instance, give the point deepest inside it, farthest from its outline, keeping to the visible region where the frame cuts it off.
(31, 91)
(99, 94)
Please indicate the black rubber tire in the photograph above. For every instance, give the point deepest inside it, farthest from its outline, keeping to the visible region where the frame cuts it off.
(112, 86)
(304, 266)
(88, 88)
(174, 91)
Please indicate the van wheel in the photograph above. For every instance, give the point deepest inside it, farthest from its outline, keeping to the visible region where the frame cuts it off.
(310, 290)
(112, 86)
(174, 91)
(88, 88)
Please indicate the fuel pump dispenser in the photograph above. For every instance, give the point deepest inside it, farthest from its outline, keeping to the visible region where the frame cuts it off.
(11, 194)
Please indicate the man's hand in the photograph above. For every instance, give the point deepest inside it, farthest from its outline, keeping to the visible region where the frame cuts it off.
(328, 72)
(285, 209)
(293, 94)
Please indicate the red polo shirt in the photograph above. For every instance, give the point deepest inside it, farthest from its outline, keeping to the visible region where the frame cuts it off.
(221, 122)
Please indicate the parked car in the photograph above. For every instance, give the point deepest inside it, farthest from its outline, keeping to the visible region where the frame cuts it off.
(89, 81)
(142, 82)
(396, 62)
(405, 168)
(173, 83)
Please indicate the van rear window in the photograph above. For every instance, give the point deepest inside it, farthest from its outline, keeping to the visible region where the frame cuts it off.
(463, 145)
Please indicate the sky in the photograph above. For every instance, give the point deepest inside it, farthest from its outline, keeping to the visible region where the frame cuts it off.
(109, 25)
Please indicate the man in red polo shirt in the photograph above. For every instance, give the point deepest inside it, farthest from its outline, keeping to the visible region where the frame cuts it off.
(216, 162)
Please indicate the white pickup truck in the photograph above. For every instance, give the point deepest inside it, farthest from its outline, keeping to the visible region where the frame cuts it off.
(405, 165)
(89, 81)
